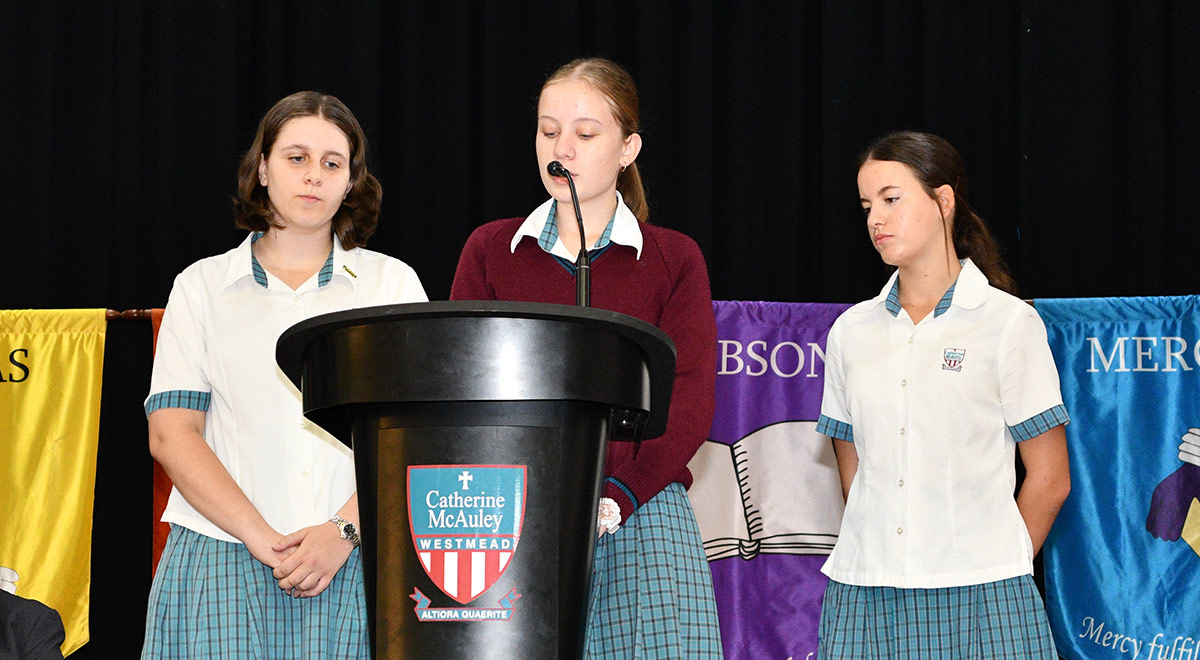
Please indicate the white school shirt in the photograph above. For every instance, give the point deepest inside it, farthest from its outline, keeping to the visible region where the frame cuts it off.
(216, 353)
(935, 412)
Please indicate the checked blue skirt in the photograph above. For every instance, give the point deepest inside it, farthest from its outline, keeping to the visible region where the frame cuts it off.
(1000, 620)
(652, 594)
(212, 599)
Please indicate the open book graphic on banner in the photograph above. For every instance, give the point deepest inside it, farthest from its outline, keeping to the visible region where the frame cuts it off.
(769, 492)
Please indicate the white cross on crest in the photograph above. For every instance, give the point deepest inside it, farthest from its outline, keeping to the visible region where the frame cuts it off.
(465, 478)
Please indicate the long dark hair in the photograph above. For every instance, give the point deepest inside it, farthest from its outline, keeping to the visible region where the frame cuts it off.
(616, 86)
(357, 217)
(935, 163)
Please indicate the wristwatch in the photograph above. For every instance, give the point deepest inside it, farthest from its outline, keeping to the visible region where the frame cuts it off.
(347, 529)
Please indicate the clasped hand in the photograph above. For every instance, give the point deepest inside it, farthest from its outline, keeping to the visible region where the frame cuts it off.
(305, 561)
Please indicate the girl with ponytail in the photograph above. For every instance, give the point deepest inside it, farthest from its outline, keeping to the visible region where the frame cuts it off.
(930, 389)
(651, 593)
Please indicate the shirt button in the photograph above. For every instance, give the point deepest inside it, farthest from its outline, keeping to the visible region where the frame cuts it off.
(901, 430)
(903, 382)
(296, 298)
(900, 483)
(899, 530)
(304, 472)
(910, 340)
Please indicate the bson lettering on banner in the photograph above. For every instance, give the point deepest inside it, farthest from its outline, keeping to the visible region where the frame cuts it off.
(785, 359)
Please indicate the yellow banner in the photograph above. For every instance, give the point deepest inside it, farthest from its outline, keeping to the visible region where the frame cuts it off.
(51, 362)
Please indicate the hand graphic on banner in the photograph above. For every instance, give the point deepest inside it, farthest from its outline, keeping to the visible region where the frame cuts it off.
(8, 580)
(1172, 499)
(1189, 452)
(1189, 448)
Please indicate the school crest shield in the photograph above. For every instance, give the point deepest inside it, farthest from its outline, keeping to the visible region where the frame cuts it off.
(952, 359)
(466, 523)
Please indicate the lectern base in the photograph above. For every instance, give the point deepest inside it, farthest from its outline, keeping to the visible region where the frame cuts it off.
(488, 533)
(479, 431)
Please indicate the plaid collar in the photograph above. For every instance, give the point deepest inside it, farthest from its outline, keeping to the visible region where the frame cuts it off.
(542, 225)
(549, 235)
(971, 293)
(260, 275)
(892, 302)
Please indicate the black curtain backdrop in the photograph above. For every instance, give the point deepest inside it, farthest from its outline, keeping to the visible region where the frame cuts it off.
(122, 123)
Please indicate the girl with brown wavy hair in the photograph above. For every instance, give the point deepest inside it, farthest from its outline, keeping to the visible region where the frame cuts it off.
(262, 558)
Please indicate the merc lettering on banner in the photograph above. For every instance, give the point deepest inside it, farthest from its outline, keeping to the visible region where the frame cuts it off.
(785, 359)
(15, 371)
(1165, 354)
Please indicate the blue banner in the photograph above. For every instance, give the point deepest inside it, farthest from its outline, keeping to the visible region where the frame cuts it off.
(1122, 564)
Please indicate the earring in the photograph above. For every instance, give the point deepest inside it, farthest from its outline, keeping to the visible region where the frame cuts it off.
(623, 167)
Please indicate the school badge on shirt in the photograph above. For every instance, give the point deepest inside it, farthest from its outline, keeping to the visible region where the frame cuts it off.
(466, 523)
(952, 359)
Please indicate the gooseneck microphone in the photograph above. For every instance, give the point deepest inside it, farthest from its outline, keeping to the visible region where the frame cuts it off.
(583, 263)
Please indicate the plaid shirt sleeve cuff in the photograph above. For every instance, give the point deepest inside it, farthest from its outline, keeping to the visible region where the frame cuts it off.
(1040, 423)
(188, 399)
(835, 429)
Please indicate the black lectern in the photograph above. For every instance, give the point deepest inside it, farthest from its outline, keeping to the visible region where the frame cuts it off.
(479, 433)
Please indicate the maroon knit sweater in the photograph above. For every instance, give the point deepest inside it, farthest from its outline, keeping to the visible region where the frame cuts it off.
(667, 287)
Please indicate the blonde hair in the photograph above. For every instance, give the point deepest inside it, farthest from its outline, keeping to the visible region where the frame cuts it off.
(616, 86)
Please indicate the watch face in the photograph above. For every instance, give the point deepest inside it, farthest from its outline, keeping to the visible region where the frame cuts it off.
(349, 530)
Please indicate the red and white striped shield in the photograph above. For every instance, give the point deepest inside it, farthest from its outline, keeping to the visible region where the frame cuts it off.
(466, 523)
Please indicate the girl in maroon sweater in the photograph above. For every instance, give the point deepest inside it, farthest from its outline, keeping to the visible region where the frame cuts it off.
(652, 591)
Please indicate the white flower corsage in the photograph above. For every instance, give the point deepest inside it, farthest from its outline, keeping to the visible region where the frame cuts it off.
(610, 515)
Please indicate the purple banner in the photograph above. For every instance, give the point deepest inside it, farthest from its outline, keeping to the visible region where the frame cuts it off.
(766, 490)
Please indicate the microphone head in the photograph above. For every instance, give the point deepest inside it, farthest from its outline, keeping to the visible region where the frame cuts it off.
(555, 168)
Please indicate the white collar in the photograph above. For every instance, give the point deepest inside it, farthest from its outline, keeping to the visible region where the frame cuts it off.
(970, 287)
(345, 262)
(626, 230)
